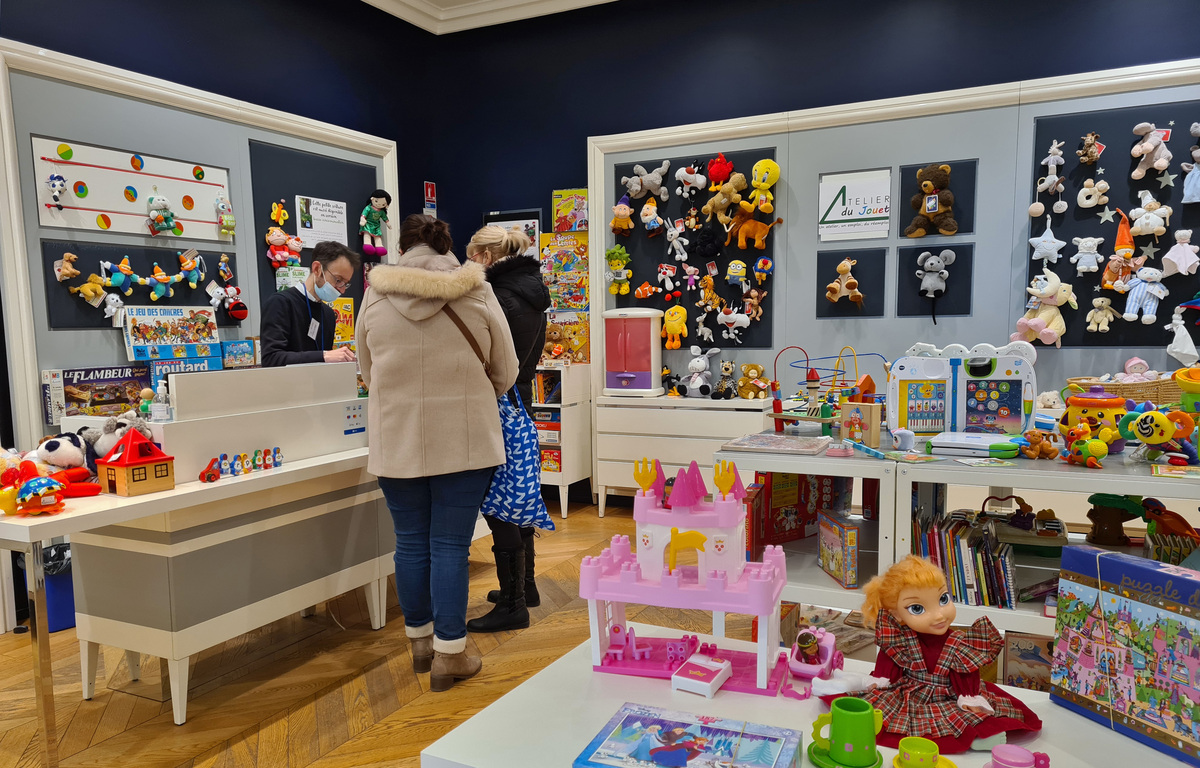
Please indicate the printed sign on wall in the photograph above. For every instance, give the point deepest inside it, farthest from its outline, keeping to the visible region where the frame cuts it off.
(80, 186)
(854, 205)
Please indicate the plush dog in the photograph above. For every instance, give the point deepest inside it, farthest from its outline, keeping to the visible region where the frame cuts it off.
(67, 269)
(726, 196)
(645, 182)
(1151, 150)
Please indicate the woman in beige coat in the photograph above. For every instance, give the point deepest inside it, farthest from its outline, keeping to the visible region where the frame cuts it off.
(434, 428)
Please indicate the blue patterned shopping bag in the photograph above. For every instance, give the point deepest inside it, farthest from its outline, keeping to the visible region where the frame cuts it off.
(516, 492)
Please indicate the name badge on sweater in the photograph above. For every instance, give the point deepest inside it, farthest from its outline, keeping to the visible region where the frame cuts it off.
(313, 328)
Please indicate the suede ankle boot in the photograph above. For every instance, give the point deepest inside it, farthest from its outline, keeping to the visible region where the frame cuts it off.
(420, 641)
(451, 664)
(510, 611)
(532, 598)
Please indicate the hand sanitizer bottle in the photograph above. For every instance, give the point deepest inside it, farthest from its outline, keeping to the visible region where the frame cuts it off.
(160, 409)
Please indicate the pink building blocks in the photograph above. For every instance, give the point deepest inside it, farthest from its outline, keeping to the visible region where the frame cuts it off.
(721, 581)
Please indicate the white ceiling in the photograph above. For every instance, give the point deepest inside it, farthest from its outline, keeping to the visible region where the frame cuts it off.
(443, 16)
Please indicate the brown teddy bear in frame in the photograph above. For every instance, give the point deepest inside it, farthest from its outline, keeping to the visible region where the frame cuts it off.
(934, 204)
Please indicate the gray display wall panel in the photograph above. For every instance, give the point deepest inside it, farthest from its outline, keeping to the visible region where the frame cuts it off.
(54, 108)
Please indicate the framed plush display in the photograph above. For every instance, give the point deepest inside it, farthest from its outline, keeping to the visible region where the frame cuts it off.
(684, 254)
(911, 291)
(1101, 180)
(868, 268)
(957, 176)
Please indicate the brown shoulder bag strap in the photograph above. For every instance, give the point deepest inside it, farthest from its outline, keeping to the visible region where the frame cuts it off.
(462, 327)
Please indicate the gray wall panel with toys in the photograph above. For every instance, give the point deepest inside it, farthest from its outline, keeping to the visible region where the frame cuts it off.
(69, 113)
(993, 154)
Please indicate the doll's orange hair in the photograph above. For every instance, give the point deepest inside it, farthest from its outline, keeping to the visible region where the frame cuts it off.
(883, 591)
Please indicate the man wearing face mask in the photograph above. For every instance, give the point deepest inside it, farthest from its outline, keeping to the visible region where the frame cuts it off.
(297, 323)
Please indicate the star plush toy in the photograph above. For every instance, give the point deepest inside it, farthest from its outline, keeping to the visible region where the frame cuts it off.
(1046, 246)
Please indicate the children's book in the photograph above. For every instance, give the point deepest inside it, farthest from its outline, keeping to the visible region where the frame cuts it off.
(576, 335)
(986, 462)
(640, 736)
(908, 457)
(569, 210)
(1166, 470)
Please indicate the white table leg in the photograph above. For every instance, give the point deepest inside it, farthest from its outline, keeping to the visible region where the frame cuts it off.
(376, 594)
(562, 499)
(718, 629)
(39, 639)
(8, 606)
(309, 611)
(133, 660)
(89, 659)
(602, 492)
(178, 670)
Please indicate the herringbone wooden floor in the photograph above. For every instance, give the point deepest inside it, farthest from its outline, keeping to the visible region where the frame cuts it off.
(304, 691)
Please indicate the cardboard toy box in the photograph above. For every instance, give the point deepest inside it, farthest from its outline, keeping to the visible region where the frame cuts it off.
(789, 624)
(1027, 660)
(837, 546)
(1125, 653)
(755, 505)
(789, 511)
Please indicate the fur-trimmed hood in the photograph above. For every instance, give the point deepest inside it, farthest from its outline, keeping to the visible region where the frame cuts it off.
(423, 281)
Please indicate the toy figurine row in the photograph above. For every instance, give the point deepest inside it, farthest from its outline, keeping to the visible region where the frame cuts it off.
(159, 216)
(241, 464)
(121, 277)
(699, 379)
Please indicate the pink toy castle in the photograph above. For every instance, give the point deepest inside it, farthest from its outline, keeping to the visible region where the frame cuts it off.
(721, 582)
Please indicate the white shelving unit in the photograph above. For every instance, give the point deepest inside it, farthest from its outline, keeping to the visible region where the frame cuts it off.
(674, 430)
(575, 428)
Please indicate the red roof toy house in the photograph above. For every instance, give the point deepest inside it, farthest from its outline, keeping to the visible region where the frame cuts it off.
(135, 466)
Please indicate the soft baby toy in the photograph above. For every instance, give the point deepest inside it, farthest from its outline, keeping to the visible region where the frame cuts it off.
(645, 182)
(1101, 315)
(934, 204)
(650, 218)
(1182, 348)
(697, 383)
(617, 259)
(1122, 263)
(691, 180)
(933, 272)
(1145, 291)
(674, 326)
(112, 304)
(1181, 259)
(733, 322)
(1136, 370)
(1051, 183)
(104, 438)
(692, 276)
(622, 221)
(1088, 258)
(1191, 182)
(752, 385)
(1092, 194)
(676, 242)
(1090, 152)
(1151, 218)
(763, 176)
(1046, 246)
(719, 171)
(161, 219)
(726, 196)
(554, 347)
(1044, 321)
(845, 284)
(1151, 149)
(92, 291)
(66, 451)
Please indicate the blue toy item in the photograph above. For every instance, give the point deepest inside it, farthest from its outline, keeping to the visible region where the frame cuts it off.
(277, 457)
(191, 267)
(160, 283)
(120, 276)
(956, 389)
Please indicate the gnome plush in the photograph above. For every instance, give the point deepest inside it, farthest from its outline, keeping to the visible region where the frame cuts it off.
(1122, 264)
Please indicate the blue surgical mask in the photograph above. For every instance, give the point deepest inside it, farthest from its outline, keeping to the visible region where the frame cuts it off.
(326, 292)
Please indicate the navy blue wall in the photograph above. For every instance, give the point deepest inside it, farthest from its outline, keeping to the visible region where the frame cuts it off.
(500, 116)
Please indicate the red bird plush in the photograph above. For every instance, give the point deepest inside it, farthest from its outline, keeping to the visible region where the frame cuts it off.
(719, 171)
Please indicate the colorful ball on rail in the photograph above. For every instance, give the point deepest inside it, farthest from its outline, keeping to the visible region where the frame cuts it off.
(65, 151)
(178, 228)
(80, 189)
(130, 194)
(188, 203)
(198, 172)
(137, 162)
(103, 221)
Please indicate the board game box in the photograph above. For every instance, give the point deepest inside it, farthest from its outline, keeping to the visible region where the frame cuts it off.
(104, 391)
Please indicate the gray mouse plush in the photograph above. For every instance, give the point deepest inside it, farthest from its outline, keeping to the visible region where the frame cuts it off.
(933, 272)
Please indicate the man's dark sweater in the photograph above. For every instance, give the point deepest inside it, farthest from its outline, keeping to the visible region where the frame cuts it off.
(283, 332)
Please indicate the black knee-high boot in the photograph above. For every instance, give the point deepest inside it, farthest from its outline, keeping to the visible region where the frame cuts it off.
(532, 598)
(510, 611)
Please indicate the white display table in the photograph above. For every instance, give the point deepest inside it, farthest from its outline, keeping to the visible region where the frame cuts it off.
(551, 717)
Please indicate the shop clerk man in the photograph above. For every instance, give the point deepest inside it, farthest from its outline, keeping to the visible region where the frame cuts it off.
(297, 325)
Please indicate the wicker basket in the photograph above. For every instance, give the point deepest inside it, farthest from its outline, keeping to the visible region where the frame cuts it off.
(1159, 392)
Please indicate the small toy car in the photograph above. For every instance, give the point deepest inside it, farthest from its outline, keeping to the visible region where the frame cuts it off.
(211, 473)
(820, 648)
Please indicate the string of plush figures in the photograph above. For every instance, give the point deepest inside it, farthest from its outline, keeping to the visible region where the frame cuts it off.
(679, 272)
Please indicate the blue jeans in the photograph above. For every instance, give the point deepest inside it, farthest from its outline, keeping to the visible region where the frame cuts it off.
(434, 518)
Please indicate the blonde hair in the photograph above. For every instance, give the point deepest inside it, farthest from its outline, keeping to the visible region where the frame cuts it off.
(500, 243)
(883, 591)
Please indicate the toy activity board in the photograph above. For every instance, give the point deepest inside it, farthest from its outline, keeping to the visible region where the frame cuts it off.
(1096, 216)
(983, 389)
(81, 186)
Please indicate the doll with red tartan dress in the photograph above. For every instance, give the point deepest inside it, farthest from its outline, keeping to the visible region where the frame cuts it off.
(935, 690)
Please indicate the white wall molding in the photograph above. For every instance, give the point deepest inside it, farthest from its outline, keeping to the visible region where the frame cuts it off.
(459, 16)
(24, 374)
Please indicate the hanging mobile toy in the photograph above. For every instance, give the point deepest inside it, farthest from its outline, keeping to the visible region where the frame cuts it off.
(122, 277)
(279, 213)
(191, 265)
(160, 283)
(224, 270)
(161, 219)
(1051, 183)
(225, 219)
(374, 214)
(58, 188)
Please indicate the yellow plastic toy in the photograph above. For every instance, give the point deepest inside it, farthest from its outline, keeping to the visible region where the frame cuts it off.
(723, 478)
(8, 500)
(674, 326)
(644, 474)
(682, 541)
(764, 175)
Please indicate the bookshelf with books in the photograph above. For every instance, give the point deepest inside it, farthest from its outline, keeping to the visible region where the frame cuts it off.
(562, 413)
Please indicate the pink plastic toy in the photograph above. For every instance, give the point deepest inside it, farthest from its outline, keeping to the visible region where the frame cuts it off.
(1012, 756)
(721, 582)
(829, 657)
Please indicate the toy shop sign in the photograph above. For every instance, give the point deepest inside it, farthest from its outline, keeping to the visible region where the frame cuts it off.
(853, 206)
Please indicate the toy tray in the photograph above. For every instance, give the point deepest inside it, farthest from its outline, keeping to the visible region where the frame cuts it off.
(744, 664)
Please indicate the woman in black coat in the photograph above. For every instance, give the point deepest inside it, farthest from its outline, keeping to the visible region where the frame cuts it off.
(516, 280)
